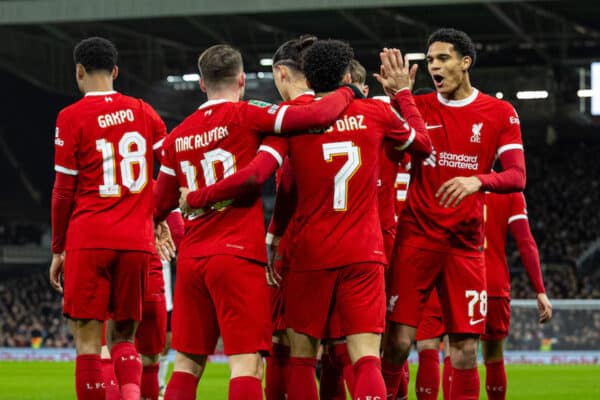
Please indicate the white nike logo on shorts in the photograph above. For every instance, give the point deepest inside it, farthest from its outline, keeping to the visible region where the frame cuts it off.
(471, 322)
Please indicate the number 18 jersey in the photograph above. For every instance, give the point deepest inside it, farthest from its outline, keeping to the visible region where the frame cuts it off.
(106, 140)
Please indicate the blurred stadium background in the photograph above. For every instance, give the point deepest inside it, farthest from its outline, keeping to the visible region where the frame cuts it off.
(536, 54)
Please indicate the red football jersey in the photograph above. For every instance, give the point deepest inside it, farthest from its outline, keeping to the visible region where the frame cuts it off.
(337, 221)
(500, 211)
(106, 139)
(386, 192)
(467, 136)
(211, 144)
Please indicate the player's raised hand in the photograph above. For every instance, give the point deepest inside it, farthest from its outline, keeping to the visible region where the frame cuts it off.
(545, 308)
(56, 270)
(165, 246)
(453, 191)
(395, 72)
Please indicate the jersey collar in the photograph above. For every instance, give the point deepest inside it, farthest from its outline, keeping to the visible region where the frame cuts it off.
(307, 93)
(459, 103)
(107, 93)
(210, 103)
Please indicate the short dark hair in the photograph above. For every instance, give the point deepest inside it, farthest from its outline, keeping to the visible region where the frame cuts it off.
(220, 64)
(358, 72)
(325, 63)
(462, 43)
(96, 54)
(290, 53)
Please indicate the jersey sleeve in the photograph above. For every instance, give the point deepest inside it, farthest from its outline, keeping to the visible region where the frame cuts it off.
(275, 146)
(510, 131)
(518, 208)
(157, 125)
(165, 191)
(66, 145)
(272, 118)
(408, 129)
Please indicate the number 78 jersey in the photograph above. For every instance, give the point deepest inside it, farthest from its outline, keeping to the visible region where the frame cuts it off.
(107, 140)
(337, 221)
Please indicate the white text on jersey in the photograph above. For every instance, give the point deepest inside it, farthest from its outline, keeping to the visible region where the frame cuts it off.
(115, 118)
(199, 140)
(349, 123)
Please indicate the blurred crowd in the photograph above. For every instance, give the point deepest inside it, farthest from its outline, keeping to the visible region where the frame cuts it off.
(31, 312)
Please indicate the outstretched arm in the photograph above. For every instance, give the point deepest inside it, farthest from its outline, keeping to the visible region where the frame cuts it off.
(530, 258)
(248, 179)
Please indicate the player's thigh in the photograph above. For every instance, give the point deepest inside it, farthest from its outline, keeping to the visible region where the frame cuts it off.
(360, 299)
(151, 334)
(127, 287)
(463, 296)
(307, 299)
(87, 283)
(498, 319)
(242, 300)
(193, 320)
(431, 324)
(412, 276)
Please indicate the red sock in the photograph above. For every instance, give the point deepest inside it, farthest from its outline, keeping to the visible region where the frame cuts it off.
(245, 388)
(369, 381)
(392, 376)
(447, 377)
(128, 369)
(343, 359)
(275, 377)
(428, 375)
(332, 378)
(465, 384)
(88, 377)
(111, 386)
(302, 384)
(181, 386)
(402, 393)
(495, 380)
(149, 388)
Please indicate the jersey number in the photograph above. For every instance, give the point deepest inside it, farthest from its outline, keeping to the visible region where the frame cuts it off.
(130, 140)
(341, 179)
(475, 298)
(211, 158)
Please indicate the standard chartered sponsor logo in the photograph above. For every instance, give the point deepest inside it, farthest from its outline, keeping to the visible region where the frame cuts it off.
(458, 161)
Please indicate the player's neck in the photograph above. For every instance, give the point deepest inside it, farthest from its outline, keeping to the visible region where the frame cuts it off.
(231, 95)
(297, 90)
(462, 92)
(98, 83)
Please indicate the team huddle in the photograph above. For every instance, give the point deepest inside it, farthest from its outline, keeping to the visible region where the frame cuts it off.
(388, 229)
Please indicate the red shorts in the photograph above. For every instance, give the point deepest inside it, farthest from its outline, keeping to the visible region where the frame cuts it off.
(155, 284)
(498, 318)
(389, 238)
(431, 325)
(151, 334)
(223, 295)
(460, 282)
(99, 283)
(356, 293)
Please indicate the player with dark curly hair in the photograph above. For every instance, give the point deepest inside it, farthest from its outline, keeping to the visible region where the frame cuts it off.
(102, 232)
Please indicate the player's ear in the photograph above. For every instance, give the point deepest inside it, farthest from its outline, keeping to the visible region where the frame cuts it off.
(79, 71)
(466, 63)
(365, 90)
(202, 85)
(347, 79)
(242, 80)
(115, 72)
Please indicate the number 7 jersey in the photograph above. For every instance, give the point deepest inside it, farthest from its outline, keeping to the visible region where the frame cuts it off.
(106, 140)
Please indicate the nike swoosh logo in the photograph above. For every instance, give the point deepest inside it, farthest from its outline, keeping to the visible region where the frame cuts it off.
(471, 322)
(433, 126)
